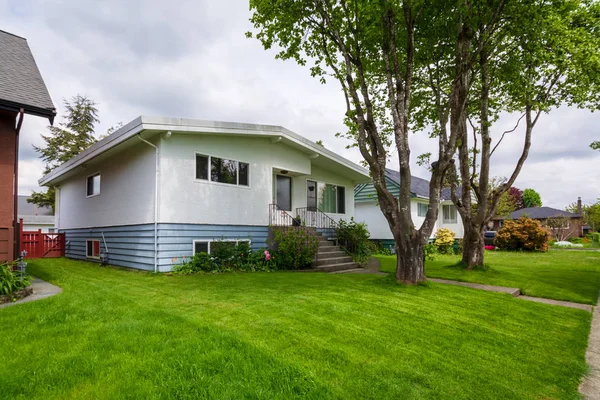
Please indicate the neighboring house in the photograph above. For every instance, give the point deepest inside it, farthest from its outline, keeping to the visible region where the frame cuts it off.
(22, 91)
(162, 188)
(34, 217)
(367, 209)
(563, 224)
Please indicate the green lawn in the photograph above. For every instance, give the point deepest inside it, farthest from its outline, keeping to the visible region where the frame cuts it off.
(121, 334)
(560, 275)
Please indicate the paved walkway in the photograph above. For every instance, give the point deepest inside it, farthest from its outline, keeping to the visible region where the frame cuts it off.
(590, 386)
(515, 293)
(41, 290)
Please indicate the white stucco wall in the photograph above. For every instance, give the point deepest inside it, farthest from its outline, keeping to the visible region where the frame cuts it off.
(370, 214)
(126, 192)
(183, 199)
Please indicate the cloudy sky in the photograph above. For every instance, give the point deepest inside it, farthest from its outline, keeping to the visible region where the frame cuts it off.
(191, 59)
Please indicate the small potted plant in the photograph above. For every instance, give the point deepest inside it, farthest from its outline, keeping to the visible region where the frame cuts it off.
(297, 221)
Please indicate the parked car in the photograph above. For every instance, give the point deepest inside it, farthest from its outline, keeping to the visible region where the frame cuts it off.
(488, 238)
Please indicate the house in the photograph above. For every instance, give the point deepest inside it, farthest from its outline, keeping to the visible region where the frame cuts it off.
(367, 209)
(562, 224)
(162, 188)
(22, 91)
(35, 218)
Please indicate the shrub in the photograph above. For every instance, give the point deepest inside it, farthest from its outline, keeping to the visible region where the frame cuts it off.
(523, 234)
(444, 239)
(457, 247)
(430, 251)
(354, 238)
(295, 248)
(596, 237)
(575, 240)
(226, 256)
(11, 282)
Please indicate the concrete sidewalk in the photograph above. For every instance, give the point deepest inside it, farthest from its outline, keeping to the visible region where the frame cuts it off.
(41, 290)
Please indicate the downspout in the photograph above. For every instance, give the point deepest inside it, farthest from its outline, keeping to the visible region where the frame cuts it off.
(155, 200)
(17, 236)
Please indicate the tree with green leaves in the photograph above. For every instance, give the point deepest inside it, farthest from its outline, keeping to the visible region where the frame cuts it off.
(545, 56)
(595, 145)
(531, 198)
(379, 52)
(71, 136)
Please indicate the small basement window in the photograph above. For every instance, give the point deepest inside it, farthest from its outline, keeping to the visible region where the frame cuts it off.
(201, 247)
(92, 248)
(93, 185)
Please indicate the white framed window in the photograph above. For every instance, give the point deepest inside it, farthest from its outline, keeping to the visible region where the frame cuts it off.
(331, 198)
(92, 248)
(204, 246)
(93, 185)
(222, 170)
(449, 214)
(422, 209)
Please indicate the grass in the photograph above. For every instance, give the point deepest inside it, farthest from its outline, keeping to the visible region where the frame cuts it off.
(560, 275)
(120, 334)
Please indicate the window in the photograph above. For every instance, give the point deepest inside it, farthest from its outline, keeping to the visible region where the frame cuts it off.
(222, 170)
(331, 198)
(422, 209)
(449, 214)
(201, 247)
(204, 246)
(92, 248)
(93, 185)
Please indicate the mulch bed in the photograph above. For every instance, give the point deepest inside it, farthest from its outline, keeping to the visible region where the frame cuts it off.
(16, 296)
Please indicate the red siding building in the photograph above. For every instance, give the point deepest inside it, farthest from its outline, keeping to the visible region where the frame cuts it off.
(22, 91)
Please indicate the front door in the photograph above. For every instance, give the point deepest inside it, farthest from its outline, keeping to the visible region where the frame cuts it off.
(284, 192)
(311, 195)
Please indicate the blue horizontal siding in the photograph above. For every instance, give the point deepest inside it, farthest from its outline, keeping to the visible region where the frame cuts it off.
(176, 240)
(128, 246)
(133, 245)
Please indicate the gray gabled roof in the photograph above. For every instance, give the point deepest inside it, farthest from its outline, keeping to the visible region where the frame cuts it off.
(29, 209)
(21, 84)
(418, 186)
(542, 213)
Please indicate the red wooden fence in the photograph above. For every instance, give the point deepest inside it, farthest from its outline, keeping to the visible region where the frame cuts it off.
(38, 244)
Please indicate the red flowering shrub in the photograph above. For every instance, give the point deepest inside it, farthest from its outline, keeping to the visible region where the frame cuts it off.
(523, 234)
(489, 247)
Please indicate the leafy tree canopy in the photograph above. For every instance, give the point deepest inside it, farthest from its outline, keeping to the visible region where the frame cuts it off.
(71, 136)
(531, 198)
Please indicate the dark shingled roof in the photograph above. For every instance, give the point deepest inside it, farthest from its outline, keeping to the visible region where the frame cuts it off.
(26, 208)
(21, 84)
(542, 213)
(418, 186)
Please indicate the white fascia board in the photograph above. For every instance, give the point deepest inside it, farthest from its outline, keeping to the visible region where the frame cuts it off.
(144, 123)
(189, 125)
(121, 135)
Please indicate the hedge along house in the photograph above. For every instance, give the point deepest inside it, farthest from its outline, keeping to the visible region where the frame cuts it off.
(22, 91)
(367, 209)
(162, 188)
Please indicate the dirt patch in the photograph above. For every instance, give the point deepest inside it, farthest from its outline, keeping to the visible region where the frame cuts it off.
(16, 296)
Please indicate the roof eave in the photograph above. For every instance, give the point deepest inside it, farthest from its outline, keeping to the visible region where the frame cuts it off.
(29, 109)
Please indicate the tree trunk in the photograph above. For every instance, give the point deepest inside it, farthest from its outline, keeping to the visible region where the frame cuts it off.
(410, 262)
(473, 246)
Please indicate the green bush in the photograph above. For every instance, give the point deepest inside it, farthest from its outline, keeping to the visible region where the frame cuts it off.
(295, 248)
(575, 240)
(457, 247)
(224, 257)
(596, 237)
(354, 237)
(10, 282)
(431, 251)
(523, 234)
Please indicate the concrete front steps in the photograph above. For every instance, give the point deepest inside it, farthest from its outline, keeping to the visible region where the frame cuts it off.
(330, 258)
